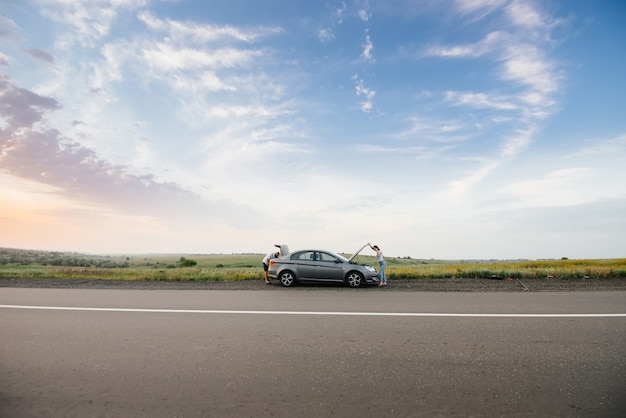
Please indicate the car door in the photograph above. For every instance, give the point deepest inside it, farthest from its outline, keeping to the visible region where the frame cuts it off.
(304, 265)
(329, 267)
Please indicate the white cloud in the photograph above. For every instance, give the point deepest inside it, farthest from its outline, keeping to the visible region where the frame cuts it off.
(203, 33)
(485, 46)
(457, 189)
(523, 14)
(523, 65)
(556, 188)
(478, 9)
(165, 57)
(518, 141)
(480, 100)
(90, 20)
(206, 81)
(367, 49)
(436, 130)
(340, 12)
(601, 147)
(527, 64)
(368, 94)
(418, 152)
(364, 12)
(326, 35)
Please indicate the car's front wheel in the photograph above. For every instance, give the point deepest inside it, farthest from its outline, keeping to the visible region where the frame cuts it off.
(354, 279)
(287, 278)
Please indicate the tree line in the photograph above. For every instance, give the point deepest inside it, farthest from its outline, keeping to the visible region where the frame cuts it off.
(18, 257)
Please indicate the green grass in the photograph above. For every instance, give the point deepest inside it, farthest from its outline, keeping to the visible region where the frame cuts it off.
(232, 267)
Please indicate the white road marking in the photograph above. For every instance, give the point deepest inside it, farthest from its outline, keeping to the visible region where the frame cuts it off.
(396, 314)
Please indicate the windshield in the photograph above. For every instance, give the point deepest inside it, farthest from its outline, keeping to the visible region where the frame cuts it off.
(342, 258)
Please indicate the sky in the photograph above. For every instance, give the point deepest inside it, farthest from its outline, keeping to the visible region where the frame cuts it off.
(467, 129)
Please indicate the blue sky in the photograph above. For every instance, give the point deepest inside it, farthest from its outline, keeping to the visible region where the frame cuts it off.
(437, 129)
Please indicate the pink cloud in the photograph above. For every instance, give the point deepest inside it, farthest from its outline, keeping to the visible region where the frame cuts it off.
(46, 156)
(21, 108)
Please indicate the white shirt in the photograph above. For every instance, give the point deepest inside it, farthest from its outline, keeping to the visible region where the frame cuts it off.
(268, 257)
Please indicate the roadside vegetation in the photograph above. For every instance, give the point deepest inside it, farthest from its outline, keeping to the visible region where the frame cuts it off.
(25, 264)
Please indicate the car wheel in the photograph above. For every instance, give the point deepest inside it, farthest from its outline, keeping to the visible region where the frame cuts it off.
(354, 279)
(287, 278)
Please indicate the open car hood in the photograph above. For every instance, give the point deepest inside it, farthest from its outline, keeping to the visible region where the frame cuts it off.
(357, 253)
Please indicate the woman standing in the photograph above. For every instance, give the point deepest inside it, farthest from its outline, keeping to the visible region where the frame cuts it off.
(382, 264)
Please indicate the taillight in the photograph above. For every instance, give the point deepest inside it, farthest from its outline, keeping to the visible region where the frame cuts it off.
(272, 262)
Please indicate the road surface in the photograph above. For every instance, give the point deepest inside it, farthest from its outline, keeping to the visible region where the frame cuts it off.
(310, 353)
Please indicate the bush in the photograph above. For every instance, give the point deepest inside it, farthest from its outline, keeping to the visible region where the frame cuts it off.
(185, 262)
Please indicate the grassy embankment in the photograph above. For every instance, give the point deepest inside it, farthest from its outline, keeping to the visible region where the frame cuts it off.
(59, 265)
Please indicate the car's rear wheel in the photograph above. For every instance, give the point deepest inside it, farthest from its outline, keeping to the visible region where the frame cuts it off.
(287, 278)
(354, 279)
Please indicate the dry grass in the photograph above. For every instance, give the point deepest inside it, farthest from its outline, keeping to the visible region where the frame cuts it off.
(231, 267)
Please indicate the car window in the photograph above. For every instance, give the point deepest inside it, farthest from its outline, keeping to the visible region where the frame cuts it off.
(304, 256)
(325, 257)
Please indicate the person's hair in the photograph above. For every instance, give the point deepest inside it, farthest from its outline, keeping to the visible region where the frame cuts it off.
(376, 247)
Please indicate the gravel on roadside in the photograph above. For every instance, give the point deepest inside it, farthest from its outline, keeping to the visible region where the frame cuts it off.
(426, 285)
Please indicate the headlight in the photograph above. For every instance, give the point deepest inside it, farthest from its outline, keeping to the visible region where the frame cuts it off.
(370, 268)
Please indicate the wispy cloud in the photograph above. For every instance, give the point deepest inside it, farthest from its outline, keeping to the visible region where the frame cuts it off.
(418, 152)
(367, 49)
(214, 75)
(326, 35)
(435, 130)
(486, 45)
(8, 28)
(555, 188)
(44, 155)
(364, 12)
(480, 100)
(339, 12)
(366, 93)
(600, 147)
(522, 63)
(523, 14)
(166, 57)
(21, 108)
(478, 9)
(40, 55)
(90, 20)
(180, 31)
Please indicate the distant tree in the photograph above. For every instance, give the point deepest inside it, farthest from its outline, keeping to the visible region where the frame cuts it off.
(185, 262)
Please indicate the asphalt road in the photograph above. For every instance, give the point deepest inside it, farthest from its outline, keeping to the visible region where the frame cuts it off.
(310, 352)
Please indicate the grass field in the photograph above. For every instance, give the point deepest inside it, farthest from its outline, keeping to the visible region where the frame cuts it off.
(213, 267)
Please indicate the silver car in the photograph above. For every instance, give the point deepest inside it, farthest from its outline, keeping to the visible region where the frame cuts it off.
(320, 266)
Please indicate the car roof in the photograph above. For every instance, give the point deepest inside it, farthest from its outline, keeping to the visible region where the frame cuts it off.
(329, 252)
(315, 249)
